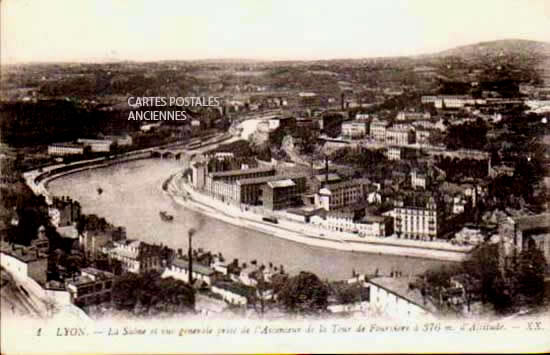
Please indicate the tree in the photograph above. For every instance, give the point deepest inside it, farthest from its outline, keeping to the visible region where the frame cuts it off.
(304, 294)
(149, 294)
(530, 276)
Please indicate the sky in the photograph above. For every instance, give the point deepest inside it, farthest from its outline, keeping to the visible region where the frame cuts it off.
(149, 30)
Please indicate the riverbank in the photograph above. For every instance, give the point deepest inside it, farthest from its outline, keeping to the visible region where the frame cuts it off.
(186, 196)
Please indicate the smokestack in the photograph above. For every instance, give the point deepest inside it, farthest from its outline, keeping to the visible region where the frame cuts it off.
(190, 255)
(342, 102)
(326, 170)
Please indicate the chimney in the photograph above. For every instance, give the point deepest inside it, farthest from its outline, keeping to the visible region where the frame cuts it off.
(326, 170)
(342, 101)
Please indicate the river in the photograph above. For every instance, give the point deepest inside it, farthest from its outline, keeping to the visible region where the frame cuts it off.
(132, 197)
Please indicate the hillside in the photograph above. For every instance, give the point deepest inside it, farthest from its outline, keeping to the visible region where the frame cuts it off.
(498, 49)
(509, 53)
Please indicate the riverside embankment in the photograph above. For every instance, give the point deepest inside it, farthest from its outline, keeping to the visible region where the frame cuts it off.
(304, 233)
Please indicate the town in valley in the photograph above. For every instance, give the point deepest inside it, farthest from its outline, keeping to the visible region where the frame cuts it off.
(436, 162)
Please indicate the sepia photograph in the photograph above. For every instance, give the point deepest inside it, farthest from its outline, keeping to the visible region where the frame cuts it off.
(243, 176)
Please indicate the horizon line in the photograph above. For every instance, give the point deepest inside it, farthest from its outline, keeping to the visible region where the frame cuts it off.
(108, 60)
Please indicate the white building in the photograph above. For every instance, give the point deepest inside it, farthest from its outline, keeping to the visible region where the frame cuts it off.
(198, 174)
(417, 219)
(179, 269)
(97, 145)
(412, 116)
(122, 141)
(65, 149)
(378, 130)
(354, 130)
(341, 194)
(233, 293)
(400, 136)
(397, 298)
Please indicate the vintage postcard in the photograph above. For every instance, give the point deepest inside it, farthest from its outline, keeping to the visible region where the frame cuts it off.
(274, 176)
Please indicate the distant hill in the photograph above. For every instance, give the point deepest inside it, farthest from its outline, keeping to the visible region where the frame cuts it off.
(512, 54)
(498, 48)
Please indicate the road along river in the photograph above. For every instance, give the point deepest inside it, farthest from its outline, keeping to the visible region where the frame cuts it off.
(132, 197)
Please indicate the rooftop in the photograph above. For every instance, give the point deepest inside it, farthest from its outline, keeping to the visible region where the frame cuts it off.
(20, 252)
(400, 286)
(242, 172)
(281, 183)
(239, 289)
(197, 268)
(265, 179)
(67, 145)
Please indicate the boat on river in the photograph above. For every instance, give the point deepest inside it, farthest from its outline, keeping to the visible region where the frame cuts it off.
(166, 217)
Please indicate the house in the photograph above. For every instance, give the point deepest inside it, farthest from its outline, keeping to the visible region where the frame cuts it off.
(520, 231)
(398, 297)
(375, 226)
(93, 286)
(401, 153)
(469, 236)
(378, 130)
(135, 256)
(233, 293)
(179, 269)
(354, 130)
(93, 239)
(24, 261)
(64, 211)
(400, 136)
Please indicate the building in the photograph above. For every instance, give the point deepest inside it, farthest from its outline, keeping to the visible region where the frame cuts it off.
(61, 149)
(375, 226)
(469, 236)
(251, 191)
(24, 261)
(282, 194)
(92, 241)
(68, 211)
(135, 256)
(401, 153)
(179, 269)
(93, 286)
(341, 194)
(419, 179)
(522, 231)
(378, 130)
(233, 293)
(198, 174)
(97, 145)
(417, 217)
(412, 116)
(322, 180)
(121, 141)
(397, 297)
(422, 136)
(542, 242)
(354, 130)
(281, 122)
(400, 136)
(451, 101)
(235, 175)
